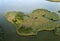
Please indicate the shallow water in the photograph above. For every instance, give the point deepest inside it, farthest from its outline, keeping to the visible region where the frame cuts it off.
(26, 6)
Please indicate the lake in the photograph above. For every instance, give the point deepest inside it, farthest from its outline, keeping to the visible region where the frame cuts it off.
(26, 6)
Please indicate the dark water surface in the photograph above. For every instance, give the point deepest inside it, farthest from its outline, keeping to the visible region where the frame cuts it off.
(27, 6)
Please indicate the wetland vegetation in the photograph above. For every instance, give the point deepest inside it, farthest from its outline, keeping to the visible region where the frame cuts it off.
(39, 19)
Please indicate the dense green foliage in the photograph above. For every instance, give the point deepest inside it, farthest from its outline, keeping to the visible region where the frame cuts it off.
(52, 16)
(18, 18)
(25, 30)
(19, 15)
(15, 17)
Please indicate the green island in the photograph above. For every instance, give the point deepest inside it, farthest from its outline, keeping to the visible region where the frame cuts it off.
(31, 24)
(54, 0)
